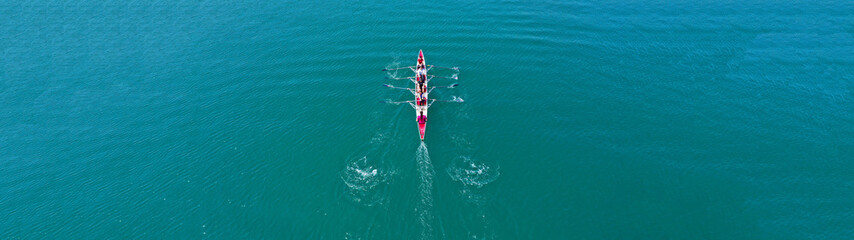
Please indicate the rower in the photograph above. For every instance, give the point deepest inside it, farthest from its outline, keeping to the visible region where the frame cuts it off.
(421, 118)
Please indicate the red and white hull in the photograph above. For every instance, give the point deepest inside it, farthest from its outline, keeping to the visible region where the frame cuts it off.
(422, 125)
(421, 128)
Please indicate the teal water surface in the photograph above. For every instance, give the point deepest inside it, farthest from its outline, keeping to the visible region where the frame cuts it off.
(581, 120)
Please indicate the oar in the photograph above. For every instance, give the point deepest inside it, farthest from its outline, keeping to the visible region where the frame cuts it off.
(443, 77)
(389, 101)
(399, 78)
(389, 69)
(452, 68)
(391, 86)
(454, 100)
(449, 86)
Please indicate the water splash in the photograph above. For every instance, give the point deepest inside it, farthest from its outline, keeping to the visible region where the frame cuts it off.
(425, 206)
(365, 182)
(472, 173)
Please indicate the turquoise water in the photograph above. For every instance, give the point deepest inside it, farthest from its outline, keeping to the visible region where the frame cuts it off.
(581, 120)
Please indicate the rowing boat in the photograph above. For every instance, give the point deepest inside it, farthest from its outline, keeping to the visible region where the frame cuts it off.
(422, 102)
(421, 99)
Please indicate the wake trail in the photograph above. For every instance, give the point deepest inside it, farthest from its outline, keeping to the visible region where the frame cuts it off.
(425, 206)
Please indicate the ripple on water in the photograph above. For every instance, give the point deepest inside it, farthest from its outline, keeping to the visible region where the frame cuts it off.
(366, 184)
(471, 172)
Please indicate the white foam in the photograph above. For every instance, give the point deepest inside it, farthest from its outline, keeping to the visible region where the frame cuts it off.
(365, 183)
(425, 206)
(471, 172)
(475, 174)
